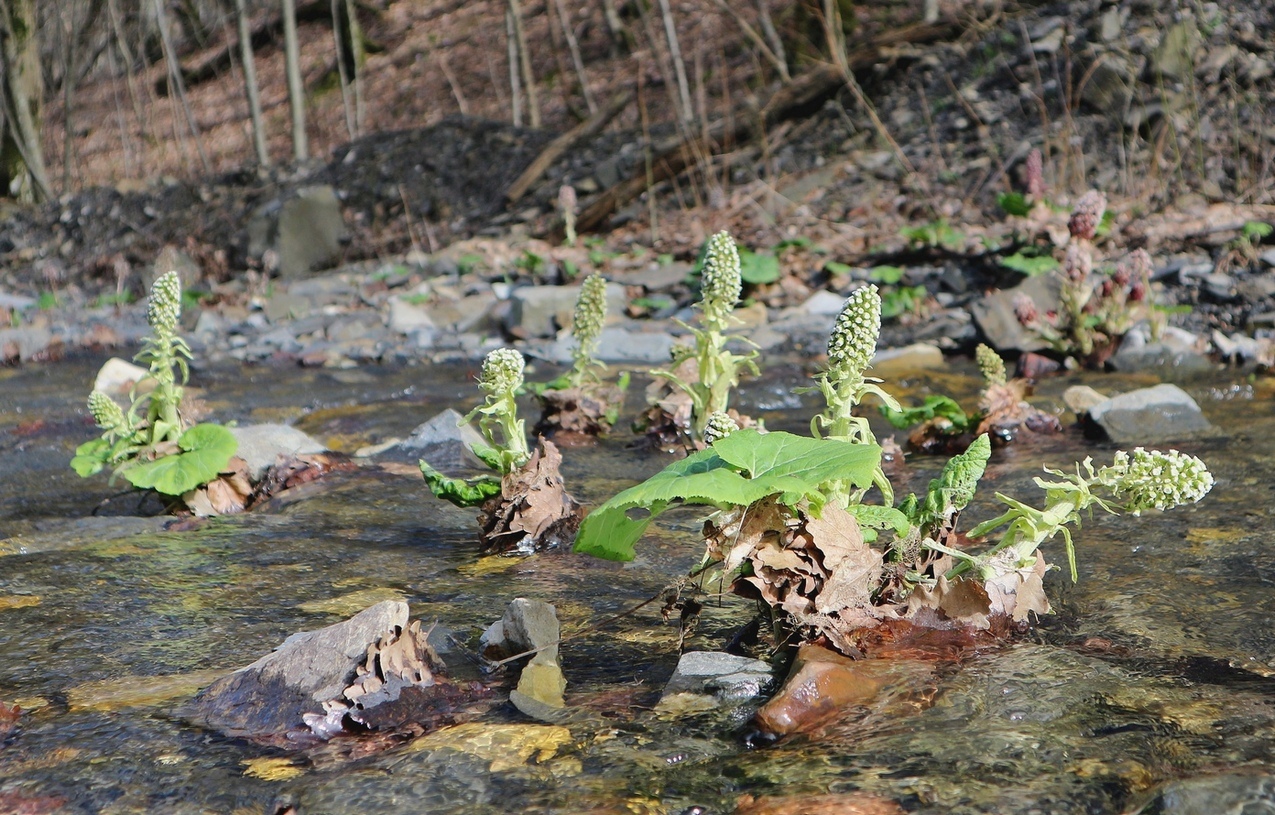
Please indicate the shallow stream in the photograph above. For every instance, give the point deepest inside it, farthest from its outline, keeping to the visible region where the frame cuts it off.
(1158, 667)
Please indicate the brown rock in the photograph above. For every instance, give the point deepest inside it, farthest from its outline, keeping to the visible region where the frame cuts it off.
(821, 685)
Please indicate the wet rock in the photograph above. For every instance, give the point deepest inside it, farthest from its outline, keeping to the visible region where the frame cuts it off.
(1151, 416)
(270, 696)
(305, 230)
(446, 441)
(994, 314)
(821, 685)
(1216, 795)
(726, 676)
(117, 377)
(527, 625)
(261, 446)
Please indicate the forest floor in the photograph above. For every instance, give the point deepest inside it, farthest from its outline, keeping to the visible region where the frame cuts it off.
(1166, 110)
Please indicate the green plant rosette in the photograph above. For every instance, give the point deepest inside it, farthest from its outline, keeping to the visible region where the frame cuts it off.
(206, 449)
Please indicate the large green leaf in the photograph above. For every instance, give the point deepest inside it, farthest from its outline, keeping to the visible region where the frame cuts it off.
(91, 457)
(461, 492)
(758, 268)
(206, 450)
(738, 470)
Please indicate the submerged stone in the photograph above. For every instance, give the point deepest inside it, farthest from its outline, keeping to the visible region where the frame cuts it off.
(261, 446)
(726, 676)
(1151, 416)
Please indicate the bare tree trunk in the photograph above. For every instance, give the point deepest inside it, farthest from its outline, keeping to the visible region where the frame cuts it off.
(175, 78)
(524, 59)
(574, 46)
(296, 91)
(515, 85)
(679, 67)
(772, 37)
(342, 73)
(68, 95)
(251, 88)
(22, 90)
(357, 56)
(615, 26)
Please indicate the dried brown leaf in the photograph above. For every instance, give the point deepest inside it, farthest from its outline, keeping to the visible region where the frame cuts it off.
(533, 510)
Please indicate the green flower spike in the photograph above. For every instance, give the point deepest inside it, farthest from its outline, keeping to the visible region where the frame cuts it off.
(722, 283)
(854, 337)
(164, 307)
(586, 327)
(502, 372)
(106, 414)
(720, 425)
(991, 365)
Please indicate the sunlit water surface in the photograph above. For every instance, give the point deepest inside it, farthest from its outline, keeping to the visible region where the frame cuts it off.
(1155, 668)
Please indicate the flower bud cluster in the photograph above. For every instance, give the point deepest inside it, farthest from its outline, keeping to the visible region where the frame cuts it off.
(854, 337)
(164, 307)
(590, 315)
(1150, 479)
(722, 283)
(720, 425)
(502, 372)
(106, 413)
(991, 365)
(1087, 215)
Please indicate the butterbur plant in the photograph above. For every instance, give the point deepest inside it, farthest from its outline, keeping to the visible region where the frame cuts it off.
(580, 405)
(150, 444)
(524, 506)
(701, 376)
(794, 528)
(939, 424)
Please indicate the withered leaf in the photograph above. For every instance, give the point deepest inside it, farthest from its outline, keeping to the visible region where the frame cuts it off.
(533, 510)
(1020, 592)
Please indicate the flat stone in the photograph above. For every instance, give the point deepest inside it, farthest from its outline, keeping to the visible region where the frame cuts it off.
(539, 311)
(1151, 416)
(1079, 398)
(270, 696)
(824, 303)
(626, 345)
(406, 318)
(527, 625)
(287, 305)
(24, 343)
(726, 676)
(261, 445)
(659, 276)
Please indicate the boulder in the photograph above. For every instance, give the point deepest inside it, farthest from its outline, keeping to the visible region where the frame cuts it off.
(117, 377)
(261, 445)
(1151, 416)
(271, 696)
(994, 314)
(530, 625)
(23, 344)
(539, 311)
(305, 230)
(824, 303)
(891, 363)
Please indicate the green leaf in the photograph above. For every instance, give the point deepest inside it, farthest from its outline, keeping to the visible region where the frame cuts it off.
(1254, 231)
(1030, 265)
(737, 470)
(887, 275)
(935, 405)
(91, 457)
(832, 267)
(1013, 203)
(758, 268)
(871, 516)
(206, 450)
(461, 492)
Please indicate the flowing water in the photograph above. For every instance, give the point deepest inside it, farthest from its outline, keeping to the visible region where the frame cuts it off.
(1157, 667)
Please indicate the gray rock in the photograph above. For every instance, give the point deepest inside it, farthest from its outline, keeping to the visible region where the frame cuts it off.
(270, 696)
(824, 303)
(1111, 85)
(527, 625)
(1152, 415)
(1174, 59)
(444, 441)
(406, 318)
(994, 314)
(261, 445)
(1268, 257)
(24, 342)
(118, 377)
(1220, 287)
(627, 345)
(305, 230)
(1079, 398)
(891, 363)
(1175, 349)
(172, 259)
(1229, 794)
(286, 305)
(726, 676)
(539, 311)
(659, 276)
(18, 302)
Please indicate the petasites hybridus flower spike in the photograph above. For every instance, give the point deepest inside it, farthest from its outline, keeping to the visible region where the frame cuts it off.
(502, 372)
(721, 281)
(854, 337)
(164, 307)
(1087, 215)
(106, 414)
(991, 365)
(590, 317)
(1152, 479)
(720, 425)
